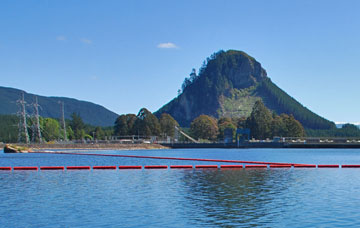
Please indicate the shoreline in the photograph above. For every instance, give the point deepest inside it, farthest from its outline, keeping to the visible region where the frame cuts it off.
(88, 146)
(145, 146)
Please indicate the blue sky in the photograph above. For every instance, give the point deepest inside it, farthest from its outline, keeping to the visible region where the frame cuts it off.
(126, 55)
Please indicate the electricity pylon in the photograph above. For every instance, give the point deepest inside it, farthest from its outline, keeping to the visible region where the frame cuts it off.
(36, 125)
(23, 133)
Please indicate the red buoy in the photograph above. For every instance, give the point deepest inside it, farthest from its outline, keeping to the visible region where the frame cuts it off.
(52, 168)
(26, 168)
(206, 166)
(5, 168)
(231, 166)
(155, 167)
(328, 166)
(256, 166)
(181, 166)
(77, 167)
(130, 167)
(104, 167)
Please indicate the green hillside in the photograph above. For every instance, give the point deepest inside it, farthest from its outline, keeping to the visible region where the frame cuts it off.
(49, 107)
(228, 85)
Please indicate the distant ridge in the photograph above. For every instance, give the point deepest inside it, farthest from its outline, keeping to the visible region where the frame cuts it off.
(340, 124)
(228, 85)
(91, 113)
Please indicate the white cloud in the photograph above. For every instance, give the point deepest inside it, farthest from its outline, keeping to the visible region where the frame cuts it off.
(61, 38)
(167, 45)
(86, 41)
(94, 77)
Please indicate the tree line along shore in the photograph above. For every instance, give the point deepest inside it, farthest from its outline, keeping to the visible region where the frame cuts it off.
(262, 123)
(88, 146)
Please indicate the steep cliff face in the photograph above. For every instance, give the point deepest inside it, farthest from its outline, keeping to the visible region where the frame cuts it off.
(228, 85)
(240, 69)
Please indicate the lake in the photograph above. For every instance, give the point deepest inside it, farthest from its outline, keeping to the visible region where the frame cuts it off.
(314, 197)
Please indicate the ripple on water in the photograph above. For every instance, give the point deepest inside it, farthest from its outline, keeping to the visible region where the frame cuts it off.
(177, 198)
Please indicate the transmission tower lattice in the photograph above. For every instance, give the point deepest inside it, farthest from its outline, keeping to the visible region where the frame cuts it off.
(23, 133)
(36, 126)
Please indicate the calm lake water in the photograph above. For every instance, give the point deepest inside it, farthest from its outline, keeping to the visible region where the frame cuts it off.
(182, 198)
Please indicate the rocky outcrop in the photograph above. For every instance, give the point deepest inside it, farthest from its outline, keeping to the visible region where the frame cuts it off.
(15, 149)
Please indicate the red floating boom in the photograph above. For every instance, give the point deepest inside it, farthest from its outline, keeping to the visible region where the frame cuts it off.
(350, 166)
(104, 167)
(206, 166)
(176, 167)
(26, 168)
(181, 166)
(155, 167)
(130, 167)
(231, 166)
(77, 167)
(304, 166)
(256, 166)
(280, 166)
(328, 166)
(52, 168)
(169, 158)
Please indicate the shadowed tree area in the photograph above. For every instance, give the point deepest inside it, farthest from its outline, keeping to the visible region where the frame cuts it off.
(168, 123)
(264, 124)
(124, 125)
(77, 125)
(147, 124)
(225, 123)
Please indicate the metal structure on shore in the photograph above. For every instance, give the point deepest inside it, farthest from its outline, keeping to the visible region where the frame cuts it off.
(36, 133)
(23, 135)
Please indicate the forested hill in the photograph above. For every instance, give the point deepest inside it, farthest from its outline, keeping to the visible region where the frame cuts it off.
(228, 85)
(49, 107)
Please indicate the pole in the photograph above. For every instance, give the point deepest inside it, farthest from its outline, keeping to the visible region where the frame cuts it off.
(37, 121)
(22, 121)
(63, 119)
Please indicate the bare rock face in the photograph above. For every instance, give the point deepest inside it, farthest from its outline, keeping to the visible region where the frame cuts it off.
(245, 72)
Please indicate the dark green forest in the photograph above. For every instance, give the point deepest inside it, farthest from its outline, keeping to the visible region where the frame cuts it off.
(346, 131)
(279, 101)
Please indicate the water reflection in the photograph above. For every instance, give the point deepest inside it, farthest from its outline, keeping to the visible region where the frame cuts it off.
(229, 198)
